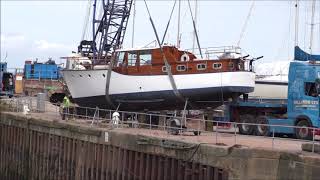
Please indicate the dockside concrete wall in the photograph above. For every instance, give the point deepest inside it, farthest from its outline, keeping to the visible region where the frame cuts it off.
(40, 149)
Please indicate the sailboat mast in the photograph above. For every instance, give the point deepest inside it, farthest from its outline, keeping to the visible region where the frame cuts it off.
(195, 22)
(179, 15)
(296, 33)
(133, 22)
(312, 24)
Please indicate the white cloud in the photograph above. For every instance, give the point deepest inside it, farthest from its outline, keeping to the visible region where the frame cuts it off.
(12, 40)
(45, 45)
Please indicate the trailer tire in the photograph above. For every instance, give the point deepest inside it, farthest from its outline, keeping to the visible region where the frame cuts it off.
(244, 128)
(173, 126)
(197, 133)
(303, 133)
(264, 128)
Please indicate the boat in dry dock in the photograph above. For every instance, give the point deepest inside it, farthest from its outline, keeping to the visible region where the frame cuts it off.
(139, 80)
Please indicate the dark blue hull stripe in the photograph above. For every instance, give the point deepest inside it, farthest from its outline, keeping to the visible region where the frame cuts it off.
(165, 100)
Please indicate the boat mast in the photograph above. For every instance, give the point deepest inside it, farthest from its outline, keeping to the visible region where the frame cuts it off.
(179, 14)
(133, 22)
(195, 29)
(312, 24)
(296, 35)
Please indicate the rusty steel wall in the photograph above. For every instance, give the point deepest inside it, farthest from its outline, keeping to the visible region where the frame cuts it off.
(32, 155)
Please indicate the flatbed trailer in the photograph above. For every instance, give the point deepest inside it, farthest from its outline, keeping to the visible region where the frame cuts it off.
(300, 112)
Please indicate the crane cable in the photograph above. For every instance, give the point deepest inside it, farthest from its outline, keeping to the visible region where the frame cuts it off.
(246, 23)
(167, 65)
(86, 20)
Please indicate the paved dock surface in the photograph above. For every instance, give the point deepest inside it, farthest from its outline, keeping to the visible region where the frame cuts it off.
(226, 139)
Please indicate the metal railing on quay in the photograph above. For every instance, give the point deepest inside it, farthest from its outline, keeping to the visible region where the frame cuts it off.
(154, 121)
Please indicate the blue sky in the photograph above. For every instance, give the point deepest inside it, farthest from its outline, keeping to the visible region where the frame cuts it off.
(42, 29)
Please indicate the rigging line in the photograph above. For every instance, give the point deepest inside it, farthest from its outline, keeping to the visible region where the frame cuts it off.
(165, 32)
(243, 30)
(168, 67)
(195, 29)
(312, 24)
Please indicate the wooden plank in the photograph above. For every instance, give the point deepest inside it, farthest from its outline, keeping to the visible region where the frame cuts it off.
(136, 165)
(153, 166)
(160, 167)
(103, 162)
(142, 167)
(114, 162)
(119, 163)
(125, 165)
(167, 167)
(1, 147)
(148, 167)
(131, 165)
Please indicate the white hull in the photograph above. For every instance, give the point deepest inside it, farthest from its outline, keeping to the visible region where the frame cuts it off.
(270, 90)
(92, 83)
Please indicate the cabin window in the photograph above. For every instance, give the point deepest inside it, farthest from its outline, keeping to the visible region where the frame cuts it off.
(120, 58)
(132, 58)
(164, 68)
(181, 68)
(201, 66)
(145, 57)
(310, 89)
(231, 65)
(240, 66)
(217, 65)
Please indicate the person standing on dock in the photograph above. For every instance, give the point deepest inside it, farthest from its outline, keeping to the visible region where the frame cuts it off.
(65, 106)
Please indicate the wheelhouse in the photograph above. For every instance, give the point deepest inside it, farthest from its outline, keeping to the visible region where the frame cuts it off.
(149, 61)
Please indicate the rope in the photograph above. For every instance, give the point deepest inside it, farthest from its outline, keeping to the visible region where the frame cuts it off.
(168, 67)
(246, 23)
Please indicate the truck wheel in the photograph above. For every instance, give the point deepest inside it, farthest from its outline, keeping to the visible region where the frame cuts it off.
(264, 128)
(245, 128)
(304, 132)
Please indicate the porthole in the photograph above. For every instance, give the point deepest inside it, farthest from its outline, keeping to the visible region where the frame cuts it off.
(164, 68)
(231, 65)
(217, 65)
(181, 68)
(201, 66)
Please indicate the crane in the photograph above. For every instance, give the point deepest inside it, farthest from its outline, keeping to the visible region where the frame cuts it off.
(108, 29)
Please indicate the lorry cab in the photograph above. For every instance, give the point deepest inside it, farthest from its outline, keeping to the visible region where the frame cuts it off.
(303, 93)
(6, 81)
